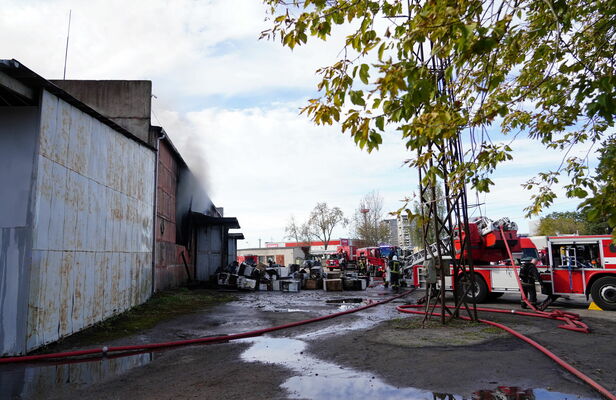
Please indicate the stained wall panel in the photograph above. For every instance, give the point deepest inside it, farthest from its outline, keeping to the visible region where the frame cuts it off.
(94, 218)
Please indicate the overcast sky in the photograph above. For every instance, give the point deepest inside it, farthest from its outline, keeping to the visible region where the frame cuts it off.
(230, 104)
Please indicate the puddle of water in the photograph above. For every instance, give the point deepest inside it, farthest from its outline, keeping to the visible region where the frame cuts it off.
(351, 300)
(321, 380)
(362, 320)
(33, 381)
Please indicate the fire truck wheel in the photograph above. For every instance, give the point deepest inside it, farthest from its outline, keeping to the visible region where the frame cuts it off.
(481, 289)
(603, 292)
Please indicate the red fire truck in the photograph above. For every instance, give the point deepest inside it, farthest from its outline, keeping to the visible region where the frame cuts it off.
(344, 255)
(569, 265)
(376, 257)
(248, 259)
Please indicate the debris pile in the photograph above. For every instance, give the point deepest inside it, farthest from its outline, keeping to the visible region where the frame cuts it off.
(310, 275)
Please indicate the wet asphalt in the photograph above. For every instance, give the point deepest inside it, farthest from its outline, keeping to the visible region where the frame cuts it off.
(280, 365)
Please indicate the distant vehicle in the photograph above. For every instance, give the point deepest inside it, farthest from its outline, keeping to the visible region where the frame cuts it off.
(248, 259)
(344, 257)
(377, 257)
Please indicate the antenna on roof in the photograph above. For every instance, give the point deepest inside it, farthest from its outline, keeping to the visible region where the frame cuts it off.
(68, 34)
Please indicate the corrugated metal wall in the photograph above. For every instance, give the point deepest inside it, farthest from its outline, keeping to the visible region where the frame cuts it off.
(209, 251)
(92, 244)
(231, 250)
(170, 269)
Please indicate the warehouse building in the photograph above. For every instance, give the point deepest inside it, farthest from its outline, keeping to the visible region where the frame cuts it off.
(78, 168)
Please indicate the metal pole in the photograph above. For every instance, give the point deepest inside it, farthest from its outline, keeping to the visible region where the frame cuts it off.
(68, 35)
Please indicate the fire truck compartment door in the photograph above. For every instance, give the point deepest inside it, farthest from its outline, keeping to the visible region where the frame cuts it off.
(503, 279)
(562, 283)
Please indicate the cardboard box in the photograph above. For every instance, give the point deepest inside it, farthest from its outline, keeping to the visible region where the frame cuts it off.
(332, 275)
(310, 284)
(354, 284)
(290, 285)
(332, 285)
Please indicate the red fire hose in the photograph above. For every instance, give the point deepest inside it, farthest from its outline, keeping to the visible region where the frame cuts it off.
(555, 358)
(213, 339)
(217, 339)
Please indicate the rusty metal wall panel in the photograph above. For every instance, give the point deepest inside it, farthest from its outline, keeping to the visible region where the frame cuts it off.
(50, 312)
(99, 266)
(170, 271)
(79, 291)
(93, 221)
(59, 176)
(70, 212)
(35, 298)
(43, 209)
(48, 125)
(90, 288)
(67, 287)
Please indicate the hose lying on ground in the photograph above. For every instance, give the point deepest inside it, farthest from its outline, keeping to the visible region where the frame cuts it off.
(603, 391)
(205, 340)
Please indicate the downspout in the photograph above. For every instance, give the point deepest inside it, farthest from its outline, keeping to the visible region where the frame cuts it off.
(158, 139)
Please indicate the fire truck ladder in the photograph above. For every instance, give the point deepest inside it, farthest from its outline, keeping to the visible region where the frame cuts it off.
(421, 256)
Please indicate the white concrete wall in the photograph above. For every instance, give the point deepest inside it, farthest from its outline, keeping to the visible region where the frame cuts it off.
(93, 218)
(290, 253)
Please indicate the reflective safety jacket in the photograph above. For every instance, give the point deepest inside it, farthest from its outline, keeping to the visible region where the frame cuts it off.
(394, 267)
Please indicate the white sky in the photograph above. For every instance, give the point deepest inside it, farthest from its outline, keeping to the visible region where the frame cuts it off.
(230, 104)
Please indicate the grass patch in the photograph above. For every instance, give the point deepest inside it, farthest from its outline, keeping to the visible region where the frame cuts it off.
(432, 323)
(492, 330)
(160, 307)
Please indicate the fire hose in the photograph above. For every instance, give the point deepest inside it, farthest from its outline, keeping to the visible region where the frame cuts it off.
(103, 351)
(572, 322)
(129, 350)
(603, 391)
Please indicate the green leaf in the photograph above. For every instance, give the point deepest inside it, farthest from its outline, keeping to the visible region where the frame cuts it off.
(363, 73)
(380, 122)
(357, 97)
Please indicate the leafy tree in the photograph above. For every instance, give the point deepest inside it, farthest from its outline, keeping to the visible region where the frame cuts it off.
(572, 222)
(299, 232)
(368, 220)
(560, 223)
(600, 210)
(435, 68)
(323, 220)
(418, 222)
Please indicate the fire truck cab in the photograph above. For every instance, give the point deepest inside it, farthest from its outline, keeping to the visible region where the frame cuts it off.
(343, 257)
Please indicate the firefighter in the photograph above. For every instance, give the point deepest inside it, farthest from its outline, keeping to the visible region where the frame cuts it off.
(343, 260)
(528, 276)
(363, 269)
(394, 273)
